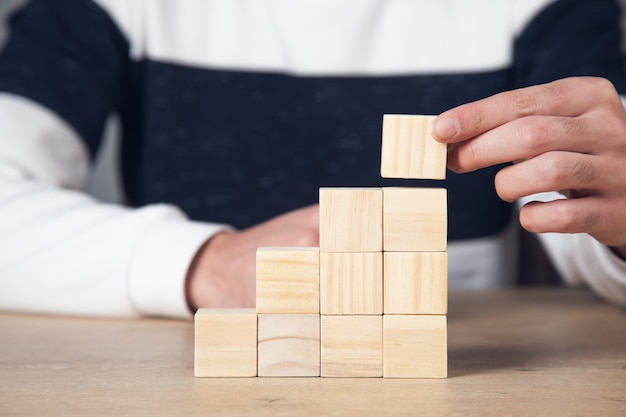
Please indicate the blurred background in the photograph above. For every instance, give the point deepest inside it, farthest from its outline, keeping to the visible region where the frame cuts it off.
(105, 184)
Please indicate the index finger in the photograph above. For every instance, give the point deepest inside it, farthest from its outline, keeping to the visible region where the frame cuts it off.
(568, 97)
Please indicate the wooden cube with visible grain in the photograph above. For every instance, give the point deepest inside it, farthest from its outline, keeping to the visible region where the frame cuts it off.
(225, 342)
(416, 282)
(289, 345)
(351, 283)
(351, 219)
(409, 150)
(352, 346)
(415, 346)
(287, 280)
(415, 219)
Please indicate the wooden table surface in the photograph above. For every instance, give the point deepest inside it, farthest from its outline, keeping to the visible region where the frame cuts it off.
(511, 353)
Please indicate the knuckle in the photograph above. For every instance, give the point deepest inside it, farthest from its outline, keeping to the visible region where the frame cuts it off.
(566, 171)
(533, 135)
(613, 132)
(537, 133)
(477, 122)
(565, 218)
(601, 85)
(569, 218)
(524, 103)
(602, 89)
(560, 89)
(589, 222)
(552, 169)
(307, 238)
(616, 128)
(583, 172)
(574, 126)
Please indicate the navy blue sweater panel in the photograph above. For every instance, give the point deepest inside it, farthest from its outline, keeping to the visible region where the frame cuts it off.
(571, 38)
(240, 147)
(69, 56)
(267, 142)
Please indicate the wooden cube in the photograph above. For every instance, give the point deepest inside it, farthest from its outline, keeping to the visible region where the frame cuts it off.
(351, 283)
(352, 346)
(289, 345)
(225, 342)
(415, 346)
(288, 280)
(351, 219)
(415, 219)
(416, 282)
(409, 150)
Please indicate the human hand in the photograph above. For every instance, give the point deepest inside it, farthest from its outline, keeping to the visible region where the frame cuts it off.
(567, 136)
(223, 273)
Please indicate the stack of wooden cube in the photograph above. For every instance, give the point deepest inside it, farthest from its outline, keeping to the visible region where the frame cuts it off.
(371, 301)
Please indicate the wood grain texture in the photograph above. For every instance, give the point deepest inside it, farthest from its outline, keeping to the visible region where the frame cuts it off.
(289, 345)
(416, 283)
(287, 280)
(351, 283)
(409, 150)
(225, 343)
(415, 346)
(517, 352)
(415, 219)
(351, 219)
(352, 346)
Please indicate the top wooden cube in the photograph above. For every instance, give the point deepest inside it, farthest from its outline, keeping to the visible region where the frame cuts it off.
(409, 150)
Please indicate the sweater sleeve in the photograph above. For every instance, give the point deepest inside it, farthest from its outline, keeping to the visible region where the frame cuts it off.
(62, 251)
(582, 260)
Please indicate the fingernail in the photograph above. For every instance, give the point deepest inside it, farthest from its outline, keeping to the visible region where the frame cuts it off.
(445, 128)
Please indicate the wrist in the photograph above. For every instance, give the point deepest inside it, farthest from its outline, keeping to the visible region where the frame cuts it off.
(207, 285)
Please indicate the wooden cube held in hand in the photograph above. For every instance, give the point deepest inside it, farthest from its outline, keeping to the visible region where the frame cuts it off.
(409, 150)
